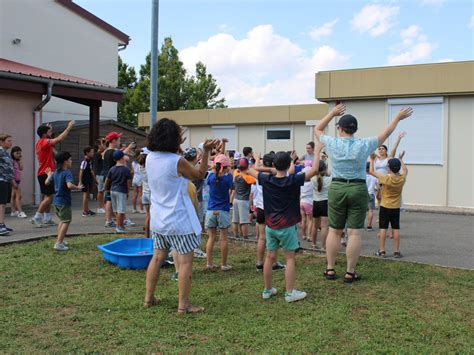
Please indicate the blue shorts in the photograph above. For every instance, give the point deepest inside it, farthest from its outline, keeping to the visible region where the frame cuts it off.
(218, 219)
(100, 183)
(371, 202)
(183, 244)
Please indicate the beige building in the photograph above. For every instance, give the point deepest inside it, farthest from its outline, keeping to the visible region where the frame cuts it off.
(439, 142)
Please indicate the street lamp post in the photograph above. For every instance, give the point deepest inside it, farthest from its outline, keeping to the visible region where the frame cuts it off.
(154, 62)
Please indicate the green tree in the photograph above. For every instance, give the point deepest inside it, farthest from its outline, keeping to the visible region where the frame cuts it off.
(127, 80)
(176, 90)
(202, 90)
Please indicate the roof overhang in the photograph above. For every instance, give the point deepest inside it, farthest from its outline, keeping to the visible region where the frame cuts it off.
(453, 78)
(86, 94)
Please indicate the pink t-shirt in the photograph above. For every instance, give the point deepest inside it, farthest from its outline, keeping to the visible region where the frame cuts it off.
(16, 170)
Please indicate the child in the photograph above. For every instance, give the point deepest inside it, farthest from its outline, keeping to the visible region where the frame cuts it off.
(63, 184)
(6, 179)
(242, 186)
(86, 179)
(137, 185)
(98, 167)
(141, 160)
(306, 204)
(16, 193)
(118, 182)
(281, 196)
(320, 184)
(218, 209)
(391, 199)
(372, 183)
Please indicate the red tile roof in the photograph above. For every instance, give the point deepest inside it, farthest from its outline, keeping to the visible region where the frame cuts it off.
(69, 4)
(19, 68)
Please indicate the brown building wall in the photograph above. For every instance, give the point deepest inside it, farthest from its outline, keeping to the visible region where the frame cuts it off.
(16, 119)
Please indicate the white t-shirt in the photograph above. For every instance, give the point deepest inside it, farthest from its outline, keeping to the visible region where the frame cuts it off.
(307, 193)
(254, 192)
(323, 194)
(372, 182)
(381, 166)
(258, 201)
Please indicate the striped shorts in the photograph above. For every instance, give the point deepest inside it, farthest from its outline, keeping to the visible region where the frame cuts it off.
(183, 244)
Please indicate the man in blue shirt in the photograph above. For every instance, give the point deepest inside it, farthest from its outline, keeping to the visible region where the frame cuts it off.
(348, 197)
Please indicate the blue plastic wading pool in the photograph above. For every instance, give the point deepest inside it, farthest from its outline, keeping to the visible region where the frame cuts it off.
(129, 253)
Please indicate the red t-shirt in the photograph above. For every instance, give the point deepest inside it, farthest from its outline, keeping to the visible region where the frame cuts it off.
(44, 152)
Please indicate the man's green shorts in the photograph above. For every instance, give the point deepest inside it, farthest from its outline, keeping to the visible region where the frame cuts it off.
(347, 205)
(287, 238)
(64, 213)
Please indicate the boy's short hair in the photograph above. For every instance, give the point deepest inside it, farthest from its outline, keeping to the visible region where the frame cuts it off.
(268, 160)
(4, 137)
(61, 157)
(247, 151)
(117, 155)
(394, 165)
(87, 150)
(282, 161)
(43, 129)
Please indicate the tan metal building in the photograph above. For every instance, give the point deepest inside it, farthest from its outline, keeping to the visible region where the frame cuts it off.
(439, 142)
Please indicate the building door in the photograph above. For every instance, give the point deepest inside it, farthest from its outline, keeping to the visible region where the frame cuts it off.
(229, 132)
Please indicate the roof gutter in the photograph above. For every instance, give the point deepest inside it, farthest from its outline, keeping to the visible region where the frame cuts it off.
(121, 47)
(49, 93)
(57, 82)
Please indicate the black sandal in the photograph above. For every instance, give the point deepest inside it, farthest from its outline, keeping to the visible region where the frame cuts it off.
(353, 277)
(328, 275)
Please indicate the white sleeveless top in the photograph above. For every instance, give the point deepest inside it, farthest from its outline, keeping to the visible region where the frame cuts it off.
(381, 166)
(172, 212)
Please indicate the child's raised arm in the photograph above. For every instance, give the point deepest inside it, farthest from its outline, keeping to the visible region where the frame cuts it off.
(395, 146)
(192, 172)
(404, 167)
(400, 116)
(372, 166)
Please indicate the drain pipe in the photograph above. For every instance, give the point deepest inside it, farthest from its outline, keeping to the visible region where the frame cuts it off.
(37, 122)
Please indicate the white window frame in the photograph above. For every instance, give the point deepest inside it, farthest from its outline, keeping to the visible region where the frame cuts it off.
(289, 128)
(414, 101)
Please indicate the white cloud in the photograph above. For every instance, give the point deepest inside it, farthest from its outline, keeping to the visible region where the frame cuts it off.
(324, 30)
(471, 22)
(414, 47)
(263, 68)
(375, 19)
(445, 60)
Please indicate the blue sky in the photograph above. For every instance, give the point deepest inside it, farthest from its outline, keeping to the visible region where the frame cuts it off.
(266, 52)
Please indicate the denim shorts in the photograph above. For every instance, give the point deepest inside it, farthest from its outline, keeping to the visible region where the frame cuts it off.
(146, 198)
(119, 201)
(371, 201)
(241, 212)
(218, 219)
(100, 183)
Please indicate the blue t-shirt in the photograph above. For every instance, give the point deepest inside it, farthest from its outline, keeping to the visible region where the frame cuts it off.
(298, 169)
(348, 155)
(219, 196)
(281, 198)
(119, 176)
(62, 195)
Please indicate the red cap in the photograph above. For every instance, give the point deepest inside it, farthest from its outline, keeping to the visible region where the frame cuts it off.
(112, 135)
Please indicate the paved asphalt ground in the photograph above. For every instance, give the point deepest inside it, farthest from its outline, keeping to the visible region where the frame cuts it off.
(428, 238)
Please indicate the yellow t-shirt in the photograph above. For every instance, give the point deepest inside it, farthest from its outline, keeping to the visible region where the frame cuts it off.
(392, 186)
(192, 192)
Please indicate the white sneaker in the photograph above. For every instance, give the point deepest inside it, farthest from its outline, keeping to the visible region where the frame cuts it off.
(295, 295)
(128, 222)
(60, 247)
(38, 223)
(134, 211)
(100, 211)
(119, 229)
(22, 215)
(266, 294)
(142, 211)
(14, 214)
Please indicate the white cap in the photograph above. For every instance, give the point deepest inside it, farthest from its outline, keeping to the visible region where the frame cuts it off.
(201, 146)
(146, 150)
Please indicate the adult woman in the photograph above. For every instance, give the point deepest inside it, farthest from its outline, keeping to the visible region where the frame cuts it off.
(348, 197)
(174, 222)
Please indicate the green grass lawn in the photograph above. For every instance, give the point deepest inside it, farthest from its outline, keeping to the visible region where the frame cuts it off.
(76, 302)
